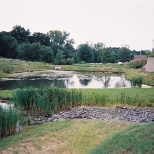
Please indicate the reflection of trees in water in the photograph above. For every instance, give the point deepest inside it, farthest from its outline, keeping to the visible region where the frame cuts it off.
(58, 83)
(69, 82)
(85, 82)
(13, 84)
(106, 81)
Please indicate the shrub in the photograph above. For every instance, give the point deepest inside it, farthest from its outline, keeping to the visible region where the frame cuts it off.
(7, 71)
(137, 63)
(136, 81)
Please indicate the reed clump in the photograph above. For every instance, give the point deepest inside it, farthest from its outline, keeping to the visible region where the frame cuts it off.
(136, 81)
(53, 100)
(11, 121)
(47, 100)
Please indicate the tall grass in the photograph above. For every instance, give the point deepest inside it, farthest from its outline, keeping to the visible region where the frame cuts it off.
(136, 81)
(53, 100)
(10, 119)
(47, 100)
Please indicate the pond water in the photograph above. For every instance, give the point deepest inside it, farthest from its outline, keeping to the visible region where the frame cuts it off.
(67, 80)
(6, 105)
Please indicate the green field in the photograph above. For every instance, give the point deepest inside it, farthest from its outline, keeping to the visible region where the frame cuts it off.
(82, 137)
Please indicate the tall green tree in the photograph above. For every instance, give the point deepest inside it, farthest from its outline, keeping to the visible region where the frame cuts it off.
(85, 53)
(20, 34)
(41, 38)
(98, 48)
(8, 45)
(46, 54)
(60, 41)
(29, 51)
(124, 54)
(59, 60)
(107, 56)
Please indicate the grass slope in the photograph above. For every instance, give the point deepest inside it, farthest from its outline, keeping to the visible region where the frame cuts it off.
(134, 140)
(77, 136)
(10, 66)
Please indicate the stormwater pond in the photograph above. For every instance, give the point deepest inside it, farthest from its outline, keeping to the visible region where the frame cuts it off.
(65, 79)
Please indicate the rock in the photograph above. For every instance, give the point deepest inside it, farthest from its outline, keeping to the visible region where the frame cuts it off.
(119, 113)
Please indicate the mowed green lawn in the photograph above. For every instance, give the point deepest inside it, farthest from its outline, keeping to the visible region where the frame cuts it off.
(81, 137)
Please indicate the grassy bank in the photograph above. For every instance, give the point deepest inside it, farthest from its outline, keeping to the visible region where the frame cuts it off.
(11, 66)
(122, 96)
(6, 94)
(82, 136)
(135, 139)
(53, 100)
(61, 137)
(109, 97)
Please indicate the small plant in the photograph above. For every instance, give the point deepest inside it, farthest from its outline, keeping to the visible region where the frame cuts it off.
(151, 55)
(10, 121)
(136, 81)
(7, 71)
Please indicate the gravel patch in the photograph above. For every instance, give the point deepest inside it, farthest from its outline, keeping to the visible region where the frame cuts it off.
(135, 115)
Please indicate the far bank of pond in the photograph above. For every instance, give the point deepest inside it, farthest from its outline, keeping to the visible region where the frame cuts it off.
(65, 79)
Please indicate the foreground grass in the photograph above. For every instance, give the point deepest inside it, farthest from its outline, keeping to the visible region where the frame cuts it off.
(78, 136)
(135, 139)
(82, 136)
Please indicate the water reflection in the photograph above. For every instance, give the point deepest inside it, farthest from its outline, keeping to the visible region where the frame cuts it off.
(77, 81)
(71, 81)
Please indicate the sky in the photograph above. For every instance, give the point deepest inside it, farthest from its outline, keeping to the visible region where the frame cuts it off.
(113, 22)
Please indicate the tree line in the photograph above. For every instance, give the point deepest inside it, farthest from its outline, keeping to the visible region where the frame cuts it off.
(56, 47)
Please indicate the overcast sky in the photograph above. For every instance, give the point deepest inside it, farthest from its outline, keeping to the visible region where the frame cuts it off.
(113, 22)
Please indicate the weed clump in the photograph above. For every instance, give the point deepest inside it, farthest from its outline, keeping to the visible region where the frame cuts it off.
(136, 81)
(137, 63)
(10, 121)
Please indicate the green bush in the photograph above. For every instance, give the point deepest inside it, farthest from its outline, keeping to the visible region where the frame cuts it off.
(151, 55)
(136, 81)
(7, 71)
(137, 63)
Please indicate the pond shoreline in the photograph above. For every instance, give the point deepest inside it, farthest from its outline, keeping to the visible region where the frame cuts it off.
(65, 79)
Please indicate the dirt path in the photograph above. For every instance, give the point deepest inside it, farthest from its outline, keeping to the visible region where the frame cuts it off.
(149, 67)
